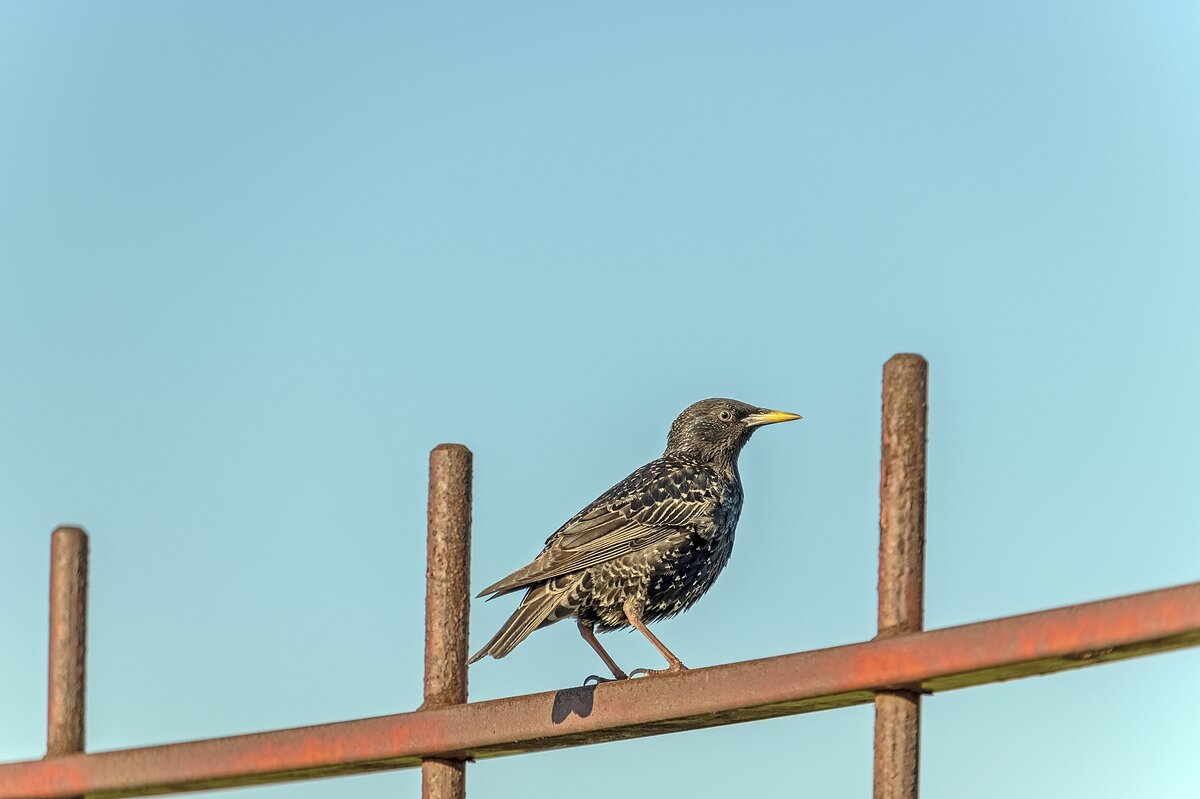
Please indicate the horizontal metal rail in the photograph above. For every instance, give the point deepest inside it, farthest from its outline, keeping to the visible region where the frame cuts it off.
(938, 660)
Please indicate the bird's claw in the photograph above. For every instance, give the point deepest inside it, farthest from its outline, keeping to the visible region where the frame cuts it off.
(673, 669)
(648, 672)
(600, 679)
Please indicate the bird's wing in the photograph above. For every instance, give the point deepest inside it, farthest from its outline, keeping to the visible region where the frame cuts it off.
(643, 509)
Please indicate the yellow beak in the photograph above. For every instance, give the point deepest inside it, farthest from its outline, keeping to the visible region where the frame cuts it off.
(770, 417)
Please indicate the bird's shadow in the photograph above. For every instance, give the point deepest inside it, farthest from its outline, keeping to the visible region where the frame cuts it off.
(578, 701)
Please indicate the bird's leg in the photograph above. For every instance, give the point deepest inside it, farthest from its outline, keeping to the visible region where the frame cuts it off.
(588, 632)
(635, 618)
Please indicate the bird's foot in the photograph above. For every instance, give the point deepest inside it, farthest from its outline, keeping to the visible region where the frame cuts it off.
(600, 679)
(674, 668)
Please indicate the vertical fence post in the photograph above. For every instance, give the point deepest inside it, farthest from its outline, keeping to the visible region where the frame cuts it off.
(447, 603)
(68, 641)
(901, 565)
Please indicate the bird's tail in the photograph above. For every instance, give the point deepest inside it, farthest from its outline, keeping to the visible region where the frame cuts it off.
(541, 605)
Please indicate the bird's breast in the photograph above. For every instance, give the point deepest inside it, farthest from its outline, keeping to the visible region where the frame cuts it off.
(725, 517)
(687, 567)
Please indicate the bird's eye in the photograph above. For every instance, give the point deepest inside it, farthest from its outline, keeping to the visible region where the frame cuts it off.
(725, 415)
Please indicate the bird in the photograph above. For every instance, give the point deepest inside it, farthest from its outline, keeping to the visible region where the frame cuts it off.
(646, 549)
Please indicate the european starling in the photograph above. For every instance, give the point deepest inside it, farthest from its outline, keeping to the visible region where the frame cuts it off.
(649, 547)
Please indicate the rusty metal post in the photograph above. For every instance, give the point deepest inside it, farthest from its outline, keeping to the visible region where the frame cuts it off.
(447, 604)
(901, 565)
(68, 641)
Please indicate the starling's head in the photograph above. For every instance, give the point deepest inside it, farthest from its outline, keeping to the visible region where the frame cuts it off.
(715, 430)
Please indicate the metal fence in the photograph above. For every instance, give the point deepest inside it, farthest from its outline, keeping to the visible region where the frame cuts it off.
(893, 670)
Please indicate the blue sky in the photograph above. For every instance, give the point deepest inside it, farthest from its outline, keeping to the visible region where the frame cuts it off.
(256, 260)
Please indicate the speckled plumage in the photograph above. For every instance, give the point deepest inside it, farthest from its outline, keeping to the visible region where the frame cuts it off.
(650, 546)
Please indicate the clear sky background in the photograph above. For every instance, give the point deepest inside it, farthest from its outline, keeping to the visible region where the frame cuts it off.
(257, 259)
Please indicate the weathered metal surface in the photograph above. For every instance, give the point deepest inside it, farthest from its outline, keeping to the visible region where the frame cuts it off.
(954, 657)
(902, 495)
(897, 744)
(67, 682)
(901, 565)
(447, 604)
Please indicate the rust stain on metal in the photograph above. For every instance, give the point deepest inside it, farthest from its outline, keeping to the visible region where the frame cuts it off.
(447, 603)
(897, 743)
(901, 565)
(447, 575)
(902, 494)
(954, 657)
(67, 683)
